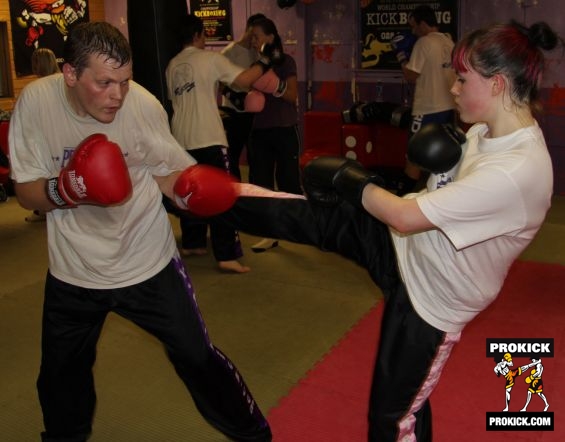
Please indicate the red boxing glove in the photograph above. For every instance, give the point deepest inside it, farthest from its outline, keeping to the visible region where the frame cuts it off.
(205, 190)
(96, 174)
(254, 101)
(270, 83)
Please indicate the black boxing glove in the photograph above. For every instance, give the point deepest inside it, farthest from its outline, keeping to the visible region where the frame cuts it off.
(317, 180)
(269, 55)
(328, 180)
(237, 99)
(351, 179)
(370, 112)
(436, 147)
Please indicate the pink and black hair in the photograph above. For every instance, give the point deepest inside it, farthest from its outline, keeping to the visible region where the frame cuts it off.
(510, 49)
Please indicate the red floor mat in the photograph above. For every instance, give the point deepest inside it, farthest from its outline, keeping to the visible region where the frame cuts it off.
(330, 403)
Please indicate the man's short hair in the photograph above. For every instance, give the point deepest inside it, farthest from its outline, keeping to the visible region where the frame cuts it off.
(95, 38)
(254, 18)
(425, 13)
(191, 25)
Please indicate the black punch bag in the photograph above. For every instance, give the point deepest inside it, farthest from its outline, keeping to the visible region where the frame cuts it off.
(154, 37)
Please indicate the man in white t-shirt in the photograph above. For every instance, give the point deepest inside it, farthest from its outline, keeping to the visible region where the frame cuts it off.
(427, 65)
(111, 245)
(193, 77)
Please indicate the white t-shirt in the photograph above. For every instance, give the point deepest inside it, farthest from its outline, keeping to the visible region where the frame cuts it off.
(193, 76)
(431, 58)
(487, 210)
(92, 246)
(242, 57)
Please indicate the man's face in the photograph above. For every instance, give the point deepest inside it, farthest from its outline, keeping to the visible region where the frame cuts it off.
(100, 89)
(417, 28)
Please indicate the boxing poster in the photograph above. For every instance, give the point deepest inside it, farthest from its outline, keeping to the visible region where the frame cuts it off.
(381, 20)
(44, 23)
(216, 15)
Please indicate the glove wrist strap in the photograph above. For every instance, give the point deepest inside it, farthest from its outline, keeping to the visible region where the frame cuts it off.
(281, 89)
(181, 203)
(55, 196)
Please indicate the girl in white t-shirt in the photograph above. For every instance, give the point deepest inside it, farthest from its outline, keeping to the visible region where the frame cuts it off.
(440, 256)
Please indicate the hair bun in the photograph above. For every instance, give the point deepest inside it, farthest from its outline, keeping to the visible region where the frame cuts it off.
(543, 36)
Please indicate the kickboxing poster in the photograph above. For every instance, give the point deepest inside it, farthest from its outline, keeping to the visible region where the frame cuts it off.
(381, 20)
(216, 15)
(44, 23)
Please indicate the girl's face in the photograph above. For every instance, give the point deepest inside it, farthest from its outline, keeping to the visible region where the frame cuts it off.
(259, 38)
(474, 96)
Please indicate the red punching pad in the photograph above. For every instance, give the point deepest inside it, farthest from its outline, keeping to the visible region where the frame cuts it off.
(322, 135)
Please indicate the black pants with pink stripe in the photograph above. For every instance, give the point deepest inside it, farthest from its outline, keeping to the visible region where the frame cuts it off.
(411, 352)
(164, 306)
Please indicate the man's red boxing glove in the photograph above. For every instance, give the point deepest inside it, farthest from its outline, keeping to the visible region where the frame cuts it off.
(205, 190)
(270, 83)
(96, 174)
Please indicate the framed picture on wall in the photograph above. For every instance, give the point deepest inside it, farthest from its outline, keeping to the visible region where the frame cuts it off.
(5, 77)
(382, 20)
(42, 24)
(216, 15)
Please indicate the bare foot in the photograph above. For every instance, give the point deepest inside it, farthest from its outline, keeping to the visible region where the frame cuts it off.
(233, 266)
(193, 252)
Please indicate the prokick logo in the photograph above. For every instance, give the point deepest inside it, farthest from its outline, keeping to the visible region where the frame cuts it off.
(514, 358)
(525, 347)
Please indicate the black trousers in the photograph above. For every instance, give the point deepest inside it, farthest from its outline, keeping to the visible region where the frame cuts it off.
(164, 306)
(238, 128)
(226, 245)
(411, 352)
(273, 159)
